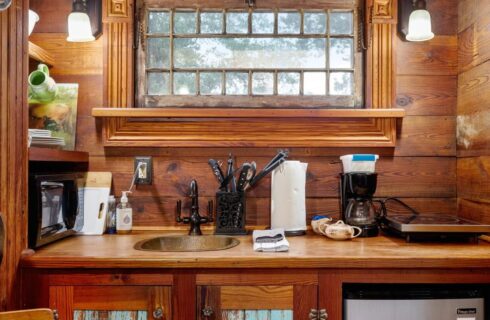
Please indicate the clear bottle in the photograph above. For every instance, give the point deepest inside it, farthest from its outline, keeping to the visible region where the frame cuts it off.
(124, 218)
(111, 216)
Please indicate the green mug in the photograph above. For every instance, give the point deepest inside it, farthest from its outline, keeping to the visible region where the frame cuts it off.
(41, 86)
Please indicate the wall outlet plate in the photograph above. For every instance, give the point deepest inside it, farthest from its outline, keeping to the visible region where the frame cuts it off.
(145, 174)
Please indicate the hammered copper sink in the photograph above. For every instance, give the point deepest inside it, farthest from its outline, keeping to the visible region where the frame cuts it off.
(187, 243)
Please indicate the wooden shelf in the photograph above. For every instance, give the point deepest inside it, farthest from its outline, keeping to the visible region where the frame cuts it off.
(244, 113)
(40, 55)
(55, 155)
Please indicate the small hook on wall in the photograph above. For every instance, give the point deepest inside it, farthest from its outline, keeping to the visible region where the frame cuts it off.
(250, 3)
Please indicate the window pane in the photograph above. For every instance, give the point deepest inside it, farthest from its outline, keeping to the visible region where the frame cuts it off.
(158, 83)
(288, 22)
(314, 83)
(185, 22)
(159, 22)
(237, 22)
(211, 22)
(315, 23)
(288, 83)
(341, 83)
(341, 23)
(262, 22)
(262, 83)
(185, 83)
(158, 53)
(236, 83)
(280, 53)
(341, 53)
(210, 83)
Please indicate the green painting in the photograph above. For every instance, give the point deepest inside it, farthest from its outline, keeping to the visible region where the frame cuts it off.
(59, 116)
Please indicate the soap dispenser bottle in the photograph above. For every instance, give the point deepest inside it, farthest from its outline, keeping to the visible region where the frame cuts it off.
(124, 212)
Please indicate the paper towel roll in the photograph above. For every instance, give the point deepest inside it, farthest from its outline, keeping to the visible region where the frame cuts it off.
(288, 208)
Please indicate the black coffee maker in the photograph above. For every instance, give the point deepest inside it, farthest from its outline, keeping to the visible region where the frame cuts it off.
(356, 200)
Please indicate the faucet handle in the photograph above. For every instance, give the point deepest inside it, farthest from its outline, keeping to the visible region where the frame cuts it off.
(209, 217)
(178, 213)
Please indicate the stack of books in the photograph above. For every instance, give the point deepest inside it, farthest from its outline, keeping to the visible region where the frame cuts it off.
(44, 138)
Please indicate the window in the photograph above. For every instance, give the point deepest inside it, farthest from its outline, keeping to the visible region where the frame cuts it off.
(264, 57)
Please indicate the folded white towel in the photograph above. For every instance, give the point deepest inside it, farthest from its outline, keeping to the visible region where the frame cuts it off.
(268, 240)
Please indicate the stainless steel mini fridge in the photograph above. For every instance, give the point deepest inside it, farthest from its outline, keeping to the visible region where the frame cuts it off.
(421, 302)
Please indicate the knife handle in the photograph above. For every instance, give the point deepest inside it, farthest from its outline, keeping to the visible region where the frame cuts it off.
(242, 179)
(216, 170)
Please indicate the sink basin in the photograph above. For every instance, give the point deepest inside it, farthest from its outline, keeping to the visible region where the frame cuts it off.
(187, 243)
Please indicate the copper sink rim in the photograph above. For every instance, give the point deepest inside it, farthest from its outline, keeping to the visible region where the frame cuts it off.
(233, 243)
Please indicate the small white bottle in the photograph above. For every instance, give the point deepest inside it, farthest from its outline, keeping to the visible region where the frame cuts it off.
(124, 212)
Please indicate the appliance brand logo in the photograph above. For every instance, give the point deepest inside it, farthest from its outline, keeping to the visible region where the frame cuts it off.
(466, 310)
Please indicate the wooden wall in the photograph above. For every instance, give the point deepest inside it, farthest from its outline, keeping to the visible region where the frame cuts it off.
(421, 169)
(473, 130)
(13, 146)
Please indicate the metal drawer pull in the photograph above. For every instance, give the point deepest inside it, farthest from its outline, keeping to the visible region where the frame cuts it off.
(207, 312)
(313, 315)
(158, 313)
(323, 314)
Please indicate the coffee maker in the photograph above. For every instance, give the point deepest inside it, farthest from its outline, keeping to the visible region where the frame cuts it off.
(356, 195)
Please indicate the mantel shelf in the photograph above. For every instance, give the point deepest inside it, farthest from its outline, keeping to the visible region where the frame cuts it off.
(244, 113)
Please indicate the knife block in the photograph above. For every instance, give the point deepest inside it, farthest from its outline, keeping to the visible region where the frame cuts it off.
(230, 213)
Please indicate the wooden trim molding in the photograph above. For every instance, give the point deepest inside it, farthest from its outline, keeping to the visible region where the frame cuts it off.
(126, 126)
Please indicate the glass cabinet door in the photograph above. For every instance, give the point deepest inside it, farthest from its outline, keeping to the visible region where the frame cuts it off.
(254, 302)
(111, 302)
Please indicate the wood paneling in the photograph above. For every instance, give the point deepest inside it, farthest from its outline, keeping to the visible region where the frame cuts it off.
(473, 110)
(256, 297)
(13, 146)
(438, 56)
(427, 95)
(421, 168)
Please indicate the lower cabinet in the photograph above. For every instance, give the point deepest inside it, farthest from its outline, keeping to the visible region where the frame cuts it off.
(215, 294)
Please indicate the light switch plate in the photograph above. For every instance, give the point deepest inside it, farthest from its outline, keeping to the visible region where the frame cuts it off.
(144, 176)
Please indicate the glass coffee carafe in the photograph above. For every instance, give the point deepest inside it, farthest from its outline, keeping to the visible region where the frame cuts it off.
(360, 212)
(357, 190)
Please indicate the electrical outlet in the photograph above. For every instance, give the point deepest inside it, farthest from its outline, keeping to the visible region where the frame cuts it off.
(145, 170)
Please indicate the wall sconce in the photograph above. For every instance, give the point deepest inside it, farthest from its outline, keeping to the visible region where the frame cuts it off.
(415, 22)
(33, 19)
(85, 21)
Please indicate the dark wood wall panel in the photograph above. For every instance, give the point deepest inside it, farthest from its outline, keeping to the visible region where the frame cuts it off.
(13, 147)
(421, 169)
(473, 110)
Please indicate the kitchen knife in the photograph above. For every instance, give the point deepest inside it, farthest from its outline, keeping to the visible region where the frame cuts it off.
(245, 175)
(216, 170)
(266, 171)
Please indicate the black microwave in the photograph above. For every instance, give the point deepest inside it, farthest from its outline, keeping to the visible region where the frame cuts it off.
(53, 207)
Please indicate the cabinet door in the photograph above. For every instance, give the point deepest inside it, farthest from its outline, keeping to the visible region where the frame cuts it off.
(264, 302)
(111, 302)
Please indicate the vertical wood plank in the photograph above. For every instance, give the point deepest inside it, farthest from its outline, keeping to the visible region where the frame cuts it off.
(61, 299)
(184, 296)
(209, 297)
(13, 147)
(305, 298)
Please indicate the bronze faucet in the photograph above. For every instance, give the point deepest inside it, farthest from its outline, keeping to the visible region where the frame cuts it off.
(195, 219)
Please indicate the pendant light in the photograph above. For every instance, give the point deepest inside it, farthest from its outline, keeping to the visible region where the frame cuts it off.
(419, 23)
(79, 29)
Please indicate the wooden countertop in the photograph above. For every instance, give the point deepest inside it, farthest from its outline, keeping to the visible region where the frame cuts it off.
(311, 251)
